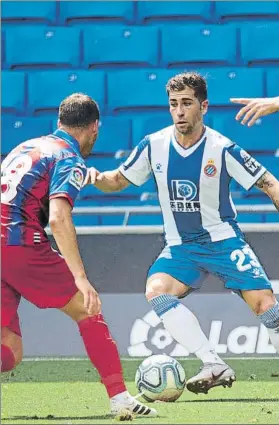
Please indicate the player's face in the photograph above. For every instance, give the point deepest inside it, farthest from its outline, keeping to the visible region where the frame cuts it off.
(186, 110)
(90, 139)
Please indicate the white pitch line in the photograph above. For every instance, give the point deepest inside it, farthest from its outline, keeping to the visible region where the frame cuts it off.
(132, 359)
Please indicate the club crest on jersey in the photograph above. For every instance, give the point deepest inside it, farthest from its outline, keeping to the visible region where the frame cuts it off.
(76, 178)
(210, 169)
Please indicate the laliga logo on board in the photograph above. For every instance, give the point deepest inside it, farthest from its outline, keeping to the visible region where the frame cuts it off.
(210, 169)
(148, 337)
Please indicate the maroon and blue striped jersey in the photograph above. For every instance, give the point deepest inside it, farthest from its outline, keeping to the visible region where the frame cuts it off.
(33, 173)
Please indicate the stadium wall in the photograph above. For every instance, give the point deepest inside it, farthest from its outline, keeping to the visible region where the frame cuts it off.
(117, 266)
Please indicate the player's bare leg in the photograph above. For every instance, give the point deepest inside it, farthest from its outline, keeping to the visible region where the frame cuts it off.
(162, 292)
(11, 349)
(266, 307)
(103, 353)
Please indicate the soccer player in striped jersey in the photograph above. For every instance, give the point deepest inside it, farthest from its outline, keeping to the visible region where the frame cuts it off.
(40, 181)
(193, 166)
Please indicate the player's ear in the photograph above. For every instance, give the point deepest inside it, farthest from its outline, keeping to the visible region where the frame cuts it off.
(204, 107)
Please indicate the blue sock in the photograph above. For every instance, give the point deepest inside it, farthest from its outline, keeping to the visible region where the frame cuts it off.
(270, 318)
(163, 303)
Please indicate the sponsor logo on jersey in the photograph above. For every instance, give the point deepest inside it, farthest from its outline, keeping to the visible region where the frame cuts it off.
(76, 178)
(183, 192)
(210, 169)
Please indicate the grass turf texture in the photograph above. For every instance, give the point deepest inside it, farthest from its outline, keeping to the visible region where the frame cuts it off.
(69, 392)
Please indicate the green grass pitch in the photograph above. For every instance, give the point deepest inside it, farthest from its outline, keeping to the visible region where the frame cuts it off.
(69, 392)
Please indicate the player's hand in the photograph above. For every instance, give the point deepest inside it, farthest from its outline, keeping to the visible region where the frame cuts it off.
(92, 176)
(255, 108)
(92, 302)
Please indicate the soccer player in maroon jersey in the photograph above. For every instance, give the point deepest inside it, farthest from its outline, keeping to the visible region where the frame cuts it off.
(41, 179)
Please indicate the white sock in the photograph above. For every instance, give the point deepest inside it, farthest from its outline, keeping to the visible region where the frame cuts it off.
(271, 321)
(121, 397)
(184, 327)
(274, 337)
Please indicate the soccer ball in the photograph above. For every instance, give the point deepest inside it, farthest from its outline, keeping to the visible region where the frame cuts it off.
(160, 377)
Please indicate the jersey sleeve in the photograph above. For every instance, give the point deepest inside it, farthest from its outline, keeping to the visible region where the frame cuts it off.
(137, 168)
(241, 166)
(66, 179)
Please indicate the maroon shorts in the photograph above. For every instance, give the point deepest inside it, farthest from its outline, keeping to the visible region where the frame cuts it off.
(39, 274)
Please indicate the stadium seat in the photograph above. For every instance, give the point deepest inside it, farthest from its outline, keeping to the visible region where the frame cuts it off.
(206, 48)
(138, 89)
(109, 44)
(265, 45)
(148, 124)
(145, 220)
(246, 9)
(273, 82)
(77, 11)
(114, 135)
(3, 48)
(42, 46)
(224, 83)
(13, 91)
(87, 220)
(149, 11)
(261, 137)
(16, 130)
(48, 88)
(23, 11)
(270, 162)
(102, 163)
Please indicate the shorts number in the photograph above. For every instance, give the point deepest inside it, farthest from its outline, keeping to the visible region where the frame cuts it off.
(240, 256)
(12, 171)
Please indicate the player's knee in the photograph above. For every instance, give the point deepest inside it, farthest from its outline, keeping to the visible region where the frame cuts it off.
(11, 355)
(269, 315)
(155, 288)
(264, 304)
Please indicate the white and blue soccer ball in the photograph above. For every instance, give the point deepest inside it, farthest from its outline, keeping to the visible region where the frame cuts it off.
(160, 377)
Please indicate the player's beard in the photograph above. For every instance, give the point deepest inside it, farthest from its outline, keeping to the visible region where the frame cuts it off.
(190, 127)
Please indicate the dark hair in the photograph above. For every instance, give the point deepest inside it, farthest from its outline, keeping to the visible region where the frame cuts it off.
(189, 79)
(78, 110)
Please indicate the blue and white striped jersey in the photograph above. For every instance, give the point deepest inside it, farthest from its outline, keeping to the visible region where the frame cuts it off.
(193, 184)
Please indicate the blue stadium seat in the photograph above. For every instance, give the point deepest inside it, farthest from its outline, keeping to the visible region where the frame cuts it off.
(77, 11)
(145, 220)
(48, 88)
(149, 11)
(16, 130)
(138, 89)
(271, 163)
(206, 48)
(114, 135)
(102, 163)
(22, 11)
(147, 124)
(265, 45)
(3, 49)
(273, 82)
(46, 46)
(263, 136)
(246, 9)
(13, 91)
(87, 220)
(109, 44)
(224, 83)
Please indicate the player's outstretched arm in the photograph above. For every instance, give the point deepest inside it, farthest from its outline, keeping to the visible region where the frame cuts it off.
(255, 108)
(107, 181)
(64, 233)
(270, 185)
